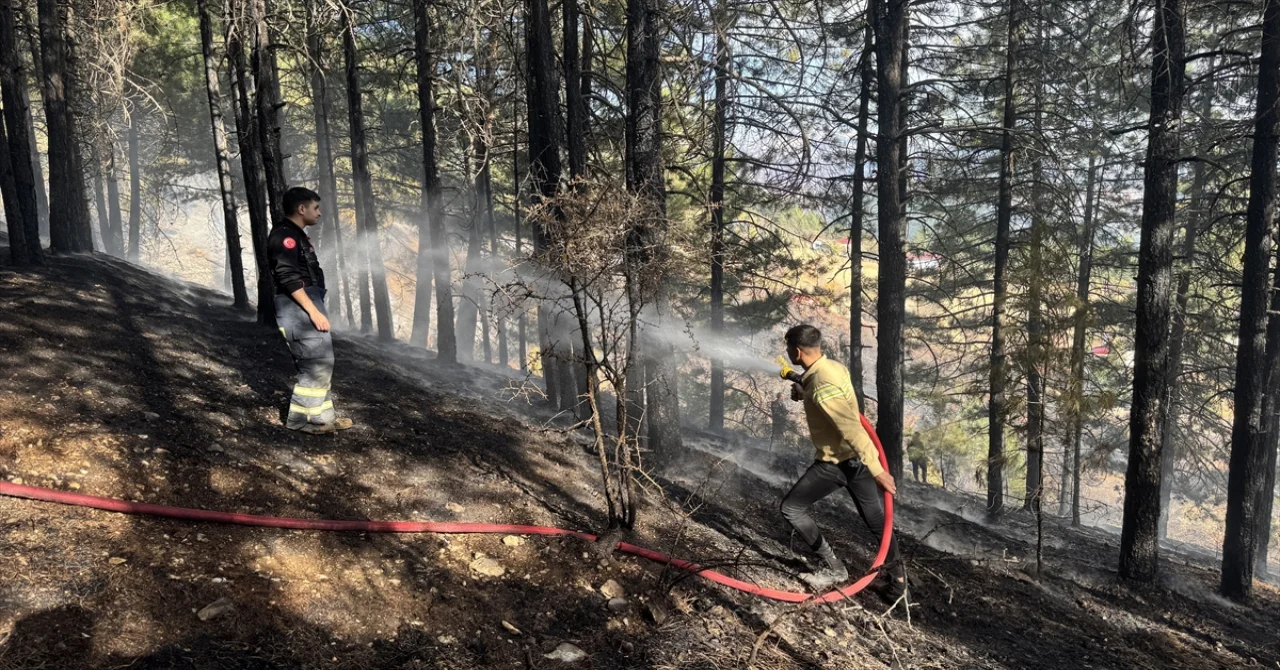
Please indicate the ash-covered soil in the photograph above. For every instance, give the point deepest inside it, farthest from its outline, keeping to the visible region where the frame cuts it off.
(116, 382)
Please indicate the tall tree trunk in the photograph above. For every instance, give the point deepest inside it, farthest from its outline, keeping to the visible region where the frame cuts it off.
(431, 231)
(998, 408)
(251, 164)
(12, 211)
(473, 308)
(1247, 475)
(24, 240)
(720, 131)
(99, 198)
(1178, 334)
(1139, 538)
(575, 107)
(576, 371)
(113, 202)
(70, 229)
(366, 213)
(1037, 350)
(1271, 440)
(522, 342)
(32, 34)
(858, 210)
(331, 255)
(891, 298)
(646, 179)
(484, 185)
(1075, 407)
(230, 219)
(135, 187)
(544, 163)
(267, 104)
(469, 307)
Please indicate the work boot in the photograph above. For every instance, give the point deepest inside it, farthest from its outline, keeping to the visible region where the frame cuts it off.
(897, 588)
(340, 423)
(834, 572)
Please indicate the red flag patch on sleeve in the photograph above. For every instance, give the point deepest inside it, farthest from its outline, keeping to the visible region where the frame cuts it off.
(290, 243)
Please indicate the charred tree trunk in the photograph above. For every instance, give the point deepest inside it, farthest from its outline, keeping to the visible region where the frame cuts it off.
(331, 255)
(891, 300)
(484, 184)
(251, 164)
(858, 211)
(719, 137)
(647, 180)
(32, 34)
(70, 228)
(1071, 461)
(267, 105)
(522, 343)
(998, 407)
(575, 371)
(1139, 539)
(12, 211)
(135, 187)
(431, 234)
(1037, 349)
(366, 213)
(575, 104)
(1247, 475)
(231, 223)
(544, 164)
(24, 239)
(1271, 440)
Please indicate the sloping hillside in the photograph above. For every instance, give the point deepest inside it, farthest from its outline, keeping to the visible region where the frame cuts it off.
(116, 382)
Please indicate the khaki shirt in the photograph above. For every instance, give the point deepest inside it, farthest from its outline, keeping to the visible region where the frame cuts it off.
(835, 423)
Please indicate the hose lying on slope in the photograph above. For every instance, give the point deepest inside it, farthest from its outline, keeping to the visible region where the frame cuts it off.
(189, 514)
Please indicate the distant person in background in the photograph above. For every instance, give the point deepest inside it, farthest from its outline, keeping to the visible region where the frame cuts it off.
(845, 458)
(301, 315)
(919, 461)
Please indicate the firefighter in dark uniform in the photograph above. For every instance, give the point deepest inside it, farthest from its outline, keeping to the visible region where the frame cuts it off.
(301, 315)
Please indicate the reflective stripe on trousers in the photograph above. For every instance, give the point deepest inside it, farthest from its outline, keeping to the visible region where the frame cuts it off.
(312, 353)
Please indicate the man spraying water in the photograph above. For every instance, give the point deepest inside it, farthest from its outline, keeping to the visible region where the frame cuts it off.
(846, 458)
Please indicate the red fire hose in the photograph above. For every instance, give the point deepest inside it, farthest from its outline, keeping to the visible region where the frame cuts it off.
(126, 507)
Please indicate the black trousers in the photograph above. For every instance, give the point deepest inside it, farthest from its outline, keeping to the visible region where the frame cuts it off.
(821, 480)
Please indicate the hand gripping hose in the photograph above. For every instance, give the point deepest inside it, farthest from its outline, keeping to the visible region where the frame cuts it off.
(187, 513)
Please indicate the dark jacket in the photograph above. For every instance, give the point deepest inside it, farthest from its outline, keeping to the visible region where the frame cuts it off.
(292, 258)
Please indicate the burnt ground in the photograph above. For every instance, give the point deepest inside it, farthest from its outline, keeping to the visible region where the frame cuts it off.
(116, 382)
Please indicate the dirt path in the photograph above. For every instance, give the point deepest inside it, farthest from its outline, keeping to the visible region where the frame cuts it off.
(118, 383)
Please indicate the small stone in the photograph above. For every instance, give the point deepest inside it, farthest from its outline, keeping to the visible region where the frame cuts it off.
(17, 480)
(513, 540)
(618, 605)
(657, 613)
(151, 416)
(216, 449)
(216, 609)
(455, 508)
(829, 632)
(566, 653)
(487, 567)
(74, 486)
(116, 560)
(612, 589)
(510, 628)
(447, 639)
